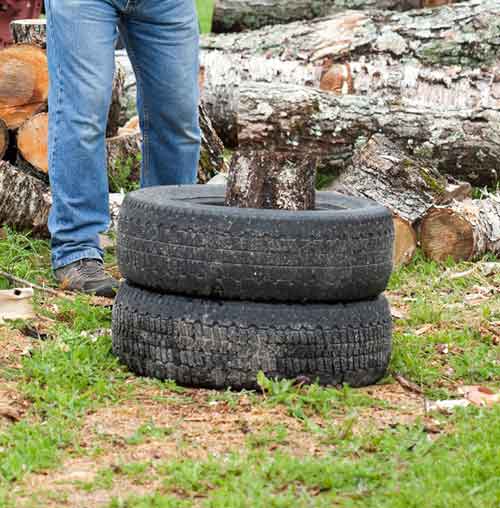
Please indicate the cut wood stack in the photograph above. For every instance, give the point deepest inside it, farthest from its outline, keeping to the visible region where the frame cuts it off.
(24, 88)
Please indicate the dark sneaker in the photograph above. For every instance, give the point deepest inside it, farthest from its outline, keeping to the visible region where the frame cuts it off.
(87, 276)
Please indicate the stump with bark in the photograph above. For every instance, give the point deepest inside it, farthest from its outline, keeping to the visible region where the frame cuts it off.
(29, 31)
(269, 179)
(24, 83)
(463, 230)
(238, 15)
(4, 138)
(382, 171)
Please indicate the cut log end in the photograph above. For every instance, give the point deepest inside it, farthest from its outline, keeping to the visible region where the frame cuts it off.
(32, 140)
(446, 234)
(405, 242)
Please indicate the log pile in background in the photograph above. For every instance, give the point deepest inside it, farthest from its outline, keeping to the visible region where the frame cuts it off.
(238, 15)
(413, 62)
(24, 132)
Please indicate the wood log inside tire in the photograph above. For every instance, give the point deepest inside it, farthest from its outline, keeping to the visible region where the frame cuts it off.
(364, 54)
(462, 143)
(463, 230)
(25, 201)
(381, 170)
(29, 31)
(238, 15)
(4, 138)
(24, 83)
(269, 179)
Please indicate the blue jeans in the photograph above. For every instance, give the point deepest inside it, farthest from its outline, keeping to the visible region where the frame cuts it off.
(162, 40)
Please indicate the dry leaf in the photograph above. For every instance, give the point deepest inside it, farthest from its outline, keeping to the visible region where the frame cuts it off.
(445, 406)
(423, 329)
(442, 348)
(480, 395)
(16, 304)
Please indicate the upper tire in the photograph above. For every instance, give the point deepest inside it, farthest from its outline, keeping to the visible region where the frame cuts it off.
(180, 239)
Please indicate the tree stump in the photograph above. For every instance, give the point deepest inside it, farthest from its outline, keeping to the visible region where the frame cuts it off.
(29, 31)
(24, 83)
(269, 179)
(463, 230)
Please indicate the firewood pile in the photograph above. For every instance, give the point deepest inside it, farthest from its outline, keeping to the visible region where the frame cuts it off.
(397, 101)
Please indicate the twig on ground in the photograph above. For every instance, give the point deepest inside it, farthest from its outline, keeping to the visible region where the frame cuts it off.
(18, 280)
(408, 385)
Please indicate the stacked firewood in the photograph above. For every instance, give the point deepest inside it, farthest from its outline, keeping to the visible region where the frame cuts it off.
(24, 89)
(399, 107)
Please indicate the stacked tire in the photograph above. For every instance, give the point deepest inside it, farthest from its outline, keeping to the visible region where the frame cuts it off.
(215, 294)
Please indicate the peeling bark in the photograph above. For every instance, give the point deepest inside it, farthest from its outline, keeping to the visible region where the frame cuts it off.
(238, 15)
(463, 143)
(4, 138)
(269, 179)
(462, 231)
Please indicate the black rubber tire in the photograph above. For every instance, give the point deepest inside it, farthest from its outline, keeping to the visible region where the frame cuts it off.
(182, 240)
(221, 344)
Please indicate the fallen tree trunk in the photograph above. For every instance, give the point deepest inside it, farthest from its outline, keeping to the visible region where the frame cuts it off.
(464, 143)
(382, 171)
(24, 83)
(463, 230)
(427, 58)
(4, 138)
(24, 200)
(238, 15)
(269, 179)
(29, 31)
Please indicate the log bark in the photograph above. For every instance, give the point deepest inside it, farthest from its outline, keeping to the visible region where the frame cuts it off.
(32, 139)
(382, 171)
(212, 150)
(24, 83)
(4, 138)
(421, 58)
(29, 31)
(463, 231)
(115, 115)
(463, 143)
(269, 179)
(238, 15)
(24, 200)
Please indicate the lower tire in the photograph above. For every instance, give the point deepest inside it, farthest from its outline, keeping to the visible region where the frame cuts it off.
(220, 344)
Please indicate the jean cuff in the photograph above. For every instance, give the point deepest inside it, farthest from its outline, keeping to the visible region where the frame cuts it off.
(76, 256)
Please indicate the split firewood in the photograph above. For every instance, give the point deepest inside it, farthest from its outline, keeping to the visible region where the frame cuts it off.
(363, 54)
(382, 171)
(32, 139)
(115, 117)
(463, 230)
(463, 143)
(124, 159)
(269, 179)
(4, 138)
(238, 15)
(24, 83)
(29, 31)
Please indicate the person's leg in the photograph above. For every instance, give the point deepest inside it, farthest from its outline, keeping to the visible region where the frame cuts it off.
(162, 40)
(80, 49)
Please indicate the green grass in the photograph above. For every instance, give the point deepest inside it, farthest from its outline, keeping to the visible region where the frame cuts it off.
(205, 9)
(74, 373)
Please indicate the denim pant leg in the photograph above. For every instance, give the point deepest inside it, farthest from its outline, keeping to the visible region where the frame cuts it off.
(80, 48)
(162, 40)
